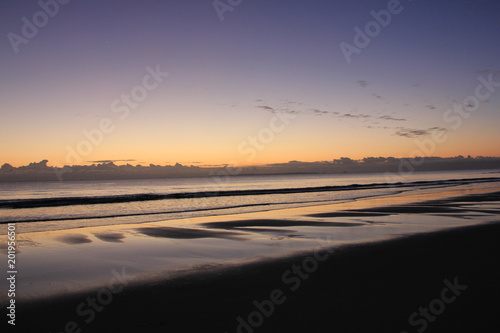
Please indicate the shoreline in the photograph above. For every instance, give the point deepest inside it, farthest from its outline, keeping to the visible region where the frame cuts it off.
(72, 222)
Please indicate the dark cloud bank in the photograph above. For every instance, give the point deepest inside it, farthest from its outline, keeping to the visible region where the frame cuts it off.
(109, 170)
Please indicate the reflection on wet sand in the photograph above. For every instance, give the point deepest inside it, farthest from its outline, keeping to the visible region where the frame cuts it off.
(352, 213)
(244, 224)
(184, 233)
(458, 207)
(74, 239)
(112, 237)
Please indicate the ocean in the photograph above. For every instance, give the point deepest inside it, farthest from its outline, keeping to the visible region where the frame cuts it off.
(71, 236)
(44, 206)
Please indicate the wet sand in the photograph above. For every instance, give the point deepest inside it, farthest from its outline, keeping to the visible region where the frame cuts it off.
(368, 288)
(371, 287)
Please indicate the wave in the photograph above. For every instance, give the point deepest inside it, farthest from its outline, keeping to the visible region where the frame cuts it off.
(92, 217)
(173, 212)
(96, 200)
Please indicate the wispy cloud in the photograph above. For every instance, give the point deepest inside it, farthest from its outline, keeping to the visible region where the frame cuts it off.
(318, 112)
(388, 117)
(322, 112)
(111, 161)
(214, 165)
(273, 110)
(413, 133)
(357, 116)
(265, 107)
(288, 101)
(362, 83)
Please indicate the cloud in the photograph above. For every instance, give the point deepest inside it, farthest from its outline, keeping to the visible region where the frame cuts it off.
(377, 96)
(355, 116)
(265, 107)
(322, 112)
(273, 110)
(42, 165)
(288, 101)
(362, 83)
(388, 117)
(290, 111)
(319, 112)
(214, 165)
(413, 133)
(430, 107)
(111, 161)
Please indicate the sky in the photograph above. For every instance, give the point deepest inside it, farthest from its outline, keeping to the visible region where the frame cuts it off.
(247, 82)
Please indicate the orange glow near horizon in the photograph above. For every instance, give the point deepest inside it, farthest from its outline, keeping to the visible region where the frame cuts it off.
(256, 145)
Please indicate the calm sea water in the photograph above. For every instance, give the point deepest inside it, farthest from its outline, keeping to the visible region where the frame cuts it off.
(61, 255)
(42, 206)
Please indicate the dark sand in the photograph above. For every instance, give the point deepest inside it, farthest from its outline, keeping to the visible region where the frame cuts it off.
(368, 288)
(360, 288)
